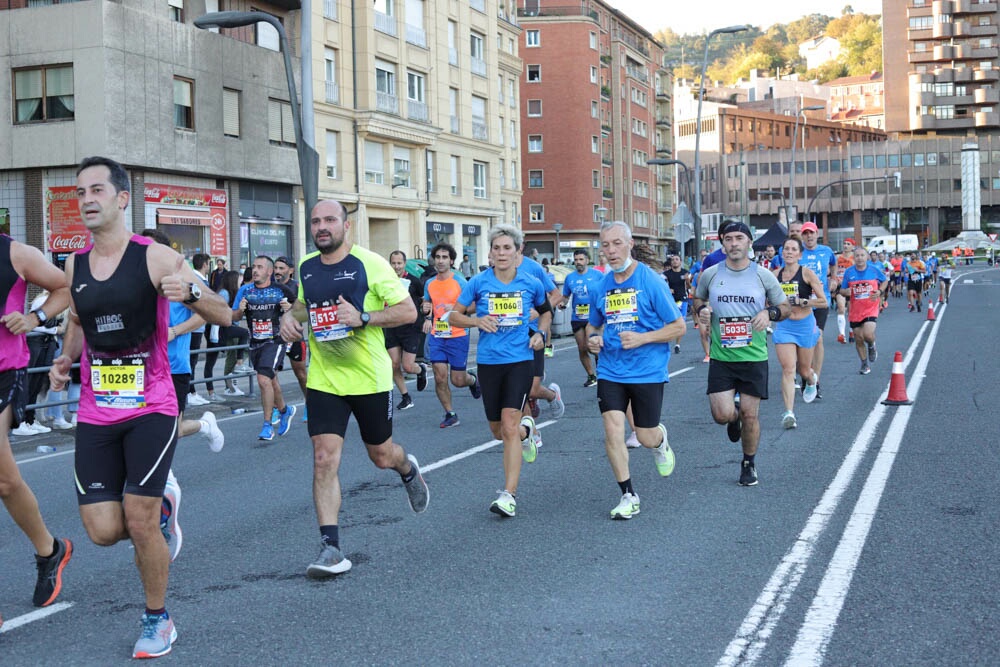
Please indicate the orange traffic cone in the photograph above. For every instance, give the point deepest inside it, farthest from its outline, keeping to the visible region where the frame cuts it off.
(897, 384)
(930, 312)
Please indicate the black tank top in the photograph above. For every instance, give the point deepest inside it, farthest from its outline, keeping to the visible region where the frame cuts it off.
(8, 275)
(118, 314)
(797, 285)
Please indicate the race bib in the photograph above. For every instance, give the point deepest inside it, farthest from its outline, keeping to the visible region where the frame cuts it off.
(581, 311)
(621, 306)
(861, 291)
(506, 307)
(325, 325)
(442, 329)
(119, 384)
(790, 289)
(735, 331)
(262, 330)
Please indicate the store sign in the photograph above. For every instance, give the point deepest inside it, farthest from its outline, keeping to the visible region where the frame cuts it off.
(441, 227)
(193, 206)
(67, 233)
(471, 230)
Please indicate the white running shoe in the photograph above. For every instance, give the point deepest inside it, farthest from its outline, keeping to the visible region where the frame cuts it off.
(632, 442)
(169, 508)
(788, 420)
(210, 427)
(627, 507)
(24, 428)
(196, 399)
(233, 391)
(61, 424)
(39, 427)
(556, 405)
(810, 391)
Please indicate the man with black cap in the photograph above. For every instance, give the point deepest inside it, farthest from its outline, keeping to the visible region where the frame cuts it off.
(739, 299)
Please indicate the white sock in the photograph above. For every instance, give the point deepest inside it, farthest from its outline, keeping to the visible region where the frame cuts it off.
(841, 323)
(204, 428)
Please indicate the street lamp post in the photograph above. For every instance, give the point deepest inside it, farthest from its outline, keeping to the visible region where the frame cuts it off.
(792, 213)
(556, 227)
(663, 162)
(307, 155)
(772, 193)
(697, 130)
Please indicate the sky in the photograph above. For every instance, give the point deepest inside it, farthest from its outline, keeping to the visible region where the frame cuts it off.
(685, 17)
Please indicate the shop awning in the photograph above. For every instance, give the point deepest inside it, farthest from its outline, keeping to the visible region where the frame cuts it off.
(180, 216)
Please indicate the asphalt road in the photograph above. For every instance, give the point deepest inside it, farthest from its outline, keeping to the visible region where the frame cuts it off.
(870, 540)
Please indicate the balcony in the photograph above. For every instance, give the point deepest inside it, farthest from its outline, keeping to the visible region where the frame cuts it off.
(974, 7)
(385, 23)
(332, 92)
(386, 102)
(479, 130)
(987, 118)
(663, 122)
(569, 10)
(637, 73)
(943, 30)
(963, 74)
(330, 9)
(417, 111)
(478, 66)
(664, 150)
(986, 75)
(662, 95)
(925, 122)
(631, 40)
(944, 6)
(416, 35)
(986, 96)
(990, 53)
(916, 57)
(942, 52)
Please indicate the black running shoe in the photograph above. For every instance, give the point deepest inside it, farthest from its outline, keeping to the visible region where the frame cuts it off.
(422, 377)
(406, 403)
(748, 474)
(865, 368)
(872, 353)
(50, 573)
(735, 429)
(475, 389)
(591, 381)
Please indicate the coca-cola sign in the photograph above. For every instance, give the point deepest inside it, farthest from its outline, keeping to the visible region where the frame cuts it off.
(159, 193)
(67, 233)
(68, 243)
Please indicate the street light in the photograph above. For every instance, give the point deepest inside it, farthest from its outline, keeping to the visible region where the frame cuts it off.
(556, 227)
(772, 193)
(792, 214)
(697, 130)
(307, 155)
(601, 212)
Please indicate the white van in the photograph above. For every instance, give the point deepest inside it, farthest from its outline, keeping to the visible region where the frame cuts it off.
(887, 244)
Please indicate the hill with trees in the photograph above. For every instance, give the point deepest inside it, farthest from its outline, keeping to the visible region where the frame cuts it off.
(775, 51)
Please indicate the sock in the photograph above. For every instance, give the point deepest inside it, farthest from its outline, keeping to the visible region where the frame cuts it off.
(162, 611)
(626, 486)
(841, 323)
(408, 477)
(749, 458)
(330, 535)
(204, 426)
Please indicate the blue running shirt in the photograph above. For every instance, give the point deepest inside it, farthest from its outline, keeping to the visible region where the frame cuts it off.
(582, 286)
(510, 304)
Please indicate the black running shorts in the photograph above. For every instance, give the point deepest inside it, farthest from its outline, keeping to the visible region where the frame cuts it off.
(268, 358)
(131, 457)
(329, 413)
(297, 350)
(406, 336)
(504, 386)
(821, 315)
(182, 382)
(13, 392)
(646, 400)
(746, 377)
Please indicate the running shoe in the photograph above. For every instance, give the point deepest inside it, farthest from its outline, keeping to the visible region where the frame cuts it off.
(918, 306)
(632, 442)
(663, 455)
(529, 445)
(504, 505)
(169, 509)
(734, 429)
(450, 419)
(216, 398)
(416, 489)
(266, 432)
(210, 427)
(242, 367)
(850, 337)
(285, 419)
(677, 349)
(819, 392)
(533, 408)
(556, 405)
(910, 306)
(61, 424)
(591, 381)
(305, 414)
(841, 339)
(157, 638)
(196, 399)
(40, 428)
(627, 507)
(50, 571)
(475, 389)
(706, 359)
(549, 351)
(872, 353)
(422, 377)
(810, 391)
(788, 420)
(406, 403)
(748, 474)
(24, 428)
(275, 416)
(865, 368)
(233, 391)
(331, 561)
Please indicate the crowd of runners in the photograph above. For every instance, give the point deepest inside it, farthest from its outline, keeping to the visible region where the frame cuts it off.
(354, 323)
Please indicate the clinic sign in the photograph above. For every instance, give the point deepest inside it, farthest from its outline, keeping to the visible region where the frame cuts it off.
(184, 205)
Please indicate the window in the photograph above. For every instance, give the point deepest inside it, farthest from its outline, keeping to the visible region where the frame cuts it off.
(534, 107)
(452, 40)
(43, 93)
(280, 130)
(416, 96)
(593, 40)
(536, 213)
(595, 179)
(513, 174)
(332, 144)
(593, 74)
(330, 76)
(534, 73)
(415, 33)
(500, 132)
(455, 183)
(510, 93)
(594, 109)
(175, 10)
(503, 173)
(230, 112)
(183, 103)
(431, 161)
(535, 178)
(534, 143)
(374, 163)
(479, 130)
(479, 180)
(385, 87)
(456, 125)
(595, 145)
(532, 38)
(385, 19)
(476, 53)
(401, 167)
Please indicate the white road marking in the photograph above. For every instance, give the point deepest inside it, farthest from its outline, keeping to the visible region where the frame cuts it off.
(469, 452)
(37, 615)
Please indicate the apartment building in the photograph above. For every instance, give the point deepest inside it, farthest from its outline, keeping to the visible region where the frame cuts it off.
(416, 119)
(196, 120)
(858, 100)
(596, 105)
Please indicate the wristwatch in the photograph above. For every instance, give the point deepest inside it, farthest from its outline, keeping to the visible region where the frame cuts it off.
(195, 293)
(40, 314)
(365, 319)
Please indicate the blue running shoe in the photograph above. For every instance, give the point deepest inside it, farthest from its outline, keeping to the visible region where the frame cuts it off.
(157, 638)
(285, 422)
(275, 416)
(475, 389)
(305, 414)
(267, 432)
(450, 419)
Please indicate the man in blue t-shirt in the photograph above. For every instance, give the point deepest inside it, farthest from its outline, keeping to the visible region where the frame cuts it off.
(632, 321)
(823, 261)
(581, 284)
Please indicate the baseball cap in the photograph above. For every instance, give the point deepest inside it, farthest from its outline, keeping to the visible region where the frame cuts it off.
(284, 260)
(732, 226)
(809, 227)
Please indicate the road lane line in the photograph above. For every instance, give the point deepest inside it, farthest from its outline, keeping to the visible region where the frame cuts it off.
(753, 634)
(37, 615)
(821, 620)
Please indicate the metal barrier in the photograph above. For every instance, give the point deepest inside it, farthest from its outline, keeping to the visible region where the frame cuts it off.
(250, 375)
